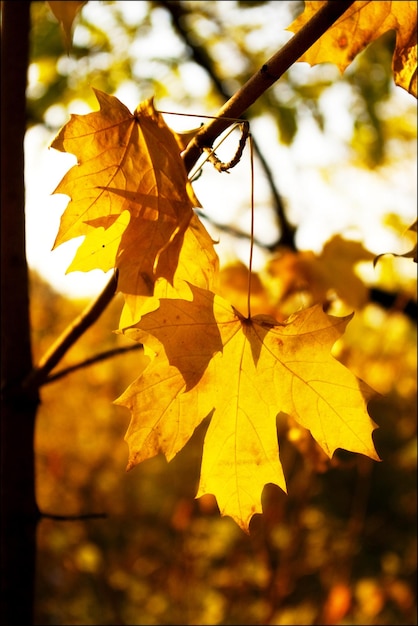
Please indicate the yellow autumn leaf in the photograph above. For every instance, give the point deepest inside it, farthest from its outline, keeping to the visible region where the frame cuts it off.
(184, 137)
(163, 420)
(198, 264)
(93, 253)
(208, 357)
(411, 254)
(329, 273)
(129, 193)
(362, 23)
(65, 12)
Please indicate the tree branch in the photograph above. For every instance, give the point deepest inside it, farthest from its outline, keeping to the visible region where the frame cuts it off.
(201, 57)
(108, 354)
(268, 74)
(235, 107)
(236, 232)
(39, 374)
(18, 409)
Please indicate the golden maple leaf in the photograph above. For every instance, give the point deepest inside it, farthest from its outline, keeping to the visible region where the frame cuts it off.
(130, 196)
(205, 356)
(65, 12)
(198, 264)
(411, 254)
(362, 23)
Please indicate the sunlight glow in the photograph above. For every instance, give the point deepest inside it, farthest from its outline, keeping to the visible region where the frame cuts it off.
(324, 193)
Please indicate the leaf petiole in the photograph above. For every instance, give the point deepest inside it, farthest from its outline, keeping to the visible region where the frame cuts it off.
(250, 262)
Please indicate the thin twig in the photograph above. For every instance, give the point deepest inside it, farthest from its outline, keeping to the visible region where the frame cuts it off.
(235, 107)
(228, 165)
(268, 74)
(91, 361)
(70, 335)
(235, 232)
(250, 264)
(287, 230)
(201, 57)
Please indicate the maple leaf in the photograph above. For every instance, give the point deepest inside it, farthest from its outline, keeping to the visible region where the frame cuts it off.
(129, 193)
(362, 23)
(198, 264)
(411, 254)
(208, 358)
(65, 12)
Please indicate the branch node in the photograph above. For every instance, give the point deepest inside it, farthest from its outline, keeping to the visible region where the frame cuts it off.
(265, 72)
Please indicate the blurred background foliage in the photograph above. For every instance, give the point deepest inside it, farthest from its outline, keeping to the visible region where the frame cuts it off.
(213, 49)
(341, 547)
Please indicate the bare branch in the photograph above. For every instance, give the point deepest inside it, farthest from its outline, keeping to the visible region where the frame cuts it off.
(201, 57)
(70, 335)
(268, 74)
(235, 232)
(235, 107)
(108, 354)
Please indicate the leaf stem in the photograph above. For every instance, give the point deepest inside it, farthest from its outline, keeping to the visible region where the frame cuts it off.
(267, 75)
(250, 262)
(199, 54)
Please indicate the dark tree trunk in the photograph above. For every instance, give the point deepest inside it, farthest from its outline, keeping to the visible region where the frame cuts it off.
(19, 511)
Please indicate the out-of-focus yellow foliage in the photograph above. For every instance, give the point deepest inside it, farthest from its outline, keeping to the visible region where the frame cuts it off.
(340, 547)
(234, 284)
(324, 276)
(362, 23)
(312, 546)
